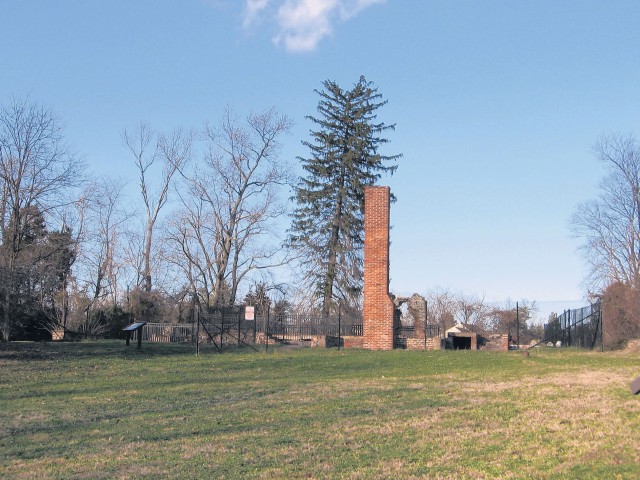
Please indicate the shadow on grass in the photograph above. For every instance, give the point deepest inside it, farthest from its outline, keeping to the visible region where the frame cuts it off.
(30, 351)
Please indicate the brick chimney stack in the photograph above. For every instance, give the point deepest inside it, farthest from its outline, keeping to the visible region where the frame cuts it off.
(377, 321)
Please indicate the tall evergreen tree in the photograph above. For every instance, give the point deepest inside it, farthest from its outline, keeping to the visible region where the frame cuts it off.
(328, 223)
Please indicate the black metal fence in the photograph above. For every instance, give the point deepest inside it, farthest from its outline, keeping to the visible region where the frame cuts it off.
(581, 327)
(296, 327)
(168, 333)
(231, 326)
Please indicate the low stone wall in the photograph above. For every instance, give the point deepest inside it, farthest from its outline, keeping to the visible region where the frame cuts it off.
(420, 344)
(434, 343)
(261, 339)
(496, 343)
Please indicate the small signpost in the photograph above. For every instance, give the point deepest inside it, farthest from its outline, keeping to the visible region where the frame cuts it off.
(133, 328)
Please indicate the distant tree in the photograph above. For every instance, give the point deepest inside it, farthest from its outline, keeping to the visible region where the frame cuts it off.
(58, 257)
(327, 229)
(37, 179)
(37, 283)
(609, 225)
(98, 220)
(148, 306)
(442, 306)
(103, 220)
(172, 151)
(552, 330)
(512, 318)
(258, 296)
(472, 310)
(281, 307)
(226, 226)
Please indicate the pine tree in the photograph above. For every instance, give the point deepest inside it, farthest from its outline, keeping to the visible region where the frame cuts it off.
(328, 223)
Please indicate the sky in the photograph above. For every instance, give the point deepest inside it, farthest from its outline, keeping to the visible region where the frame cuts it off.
(497, 105)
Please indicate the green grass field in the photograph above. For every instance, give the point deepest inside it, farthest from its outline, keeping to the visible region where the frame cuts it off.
(103, 410)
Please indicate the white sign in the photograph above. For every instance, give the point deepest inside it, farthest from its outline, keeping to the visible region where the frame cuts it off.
(249, 313)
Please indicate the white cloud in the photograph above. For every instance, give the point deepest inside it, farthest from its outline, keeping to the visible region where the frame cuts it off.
(252, 10)
(302, 24)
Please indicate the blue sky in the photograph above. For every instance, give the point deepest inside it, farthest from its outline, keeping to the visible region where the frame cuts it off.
(497, 105)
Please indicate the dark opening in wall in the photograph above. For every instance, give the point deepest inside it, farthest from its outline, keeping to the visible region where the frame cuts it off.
(461, 343)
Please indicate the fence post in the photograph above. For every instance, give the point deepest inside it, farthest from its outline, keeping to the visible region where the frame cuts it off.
(339, 324)
(601, 315)
(196, 314)
(266, 333)
(518, 325)
(426, 320)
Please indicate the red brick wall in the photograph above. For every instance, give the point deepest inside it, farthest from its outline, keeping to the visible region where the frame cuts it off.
(352, 342)
(377, 320)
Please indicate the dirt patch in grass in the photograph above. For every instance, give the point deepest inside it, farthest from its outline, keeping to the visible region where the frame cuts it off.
(587, 379)
(633, 346)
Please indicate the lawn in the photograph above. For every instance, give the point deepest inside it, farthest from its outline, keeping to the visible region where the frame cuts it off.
(103, 410)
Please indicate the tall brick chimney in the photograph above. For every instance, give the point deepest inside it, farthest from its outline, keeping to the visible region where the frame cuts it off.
(377, 320)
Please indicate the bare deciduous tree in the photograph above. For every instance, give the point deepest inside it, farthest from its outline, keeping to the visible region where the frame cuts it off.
(224, 229)
(104, 222)
(442, 308)
(610, 224)
(472, 310)
(172, 151)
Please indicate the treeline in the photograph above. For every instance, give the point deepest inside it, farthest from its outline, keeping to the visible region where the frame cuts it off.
(76, 256)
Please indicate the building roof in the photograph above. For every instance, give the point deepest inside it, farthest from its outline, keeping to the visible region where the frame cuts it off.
(459, 328)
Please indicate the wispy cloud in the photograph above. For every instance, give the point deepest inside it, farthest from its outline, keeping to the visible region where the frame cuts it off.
(302, 24)
(252, 11)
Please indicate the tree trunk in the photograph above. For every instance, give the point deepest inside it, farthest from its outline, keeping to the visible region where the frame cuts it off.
(147, 257)
(334, 243)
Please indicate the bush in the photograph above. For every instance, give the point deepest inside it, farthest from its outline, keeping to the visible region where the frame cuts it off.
(621, 315)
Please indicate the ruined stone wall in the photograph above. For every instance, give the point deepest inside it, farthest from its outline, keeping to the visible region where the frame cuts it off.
(423, 344)
(377, 322)
(418, 310)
